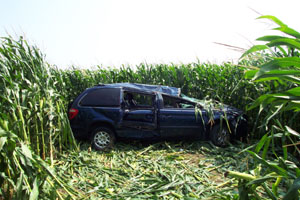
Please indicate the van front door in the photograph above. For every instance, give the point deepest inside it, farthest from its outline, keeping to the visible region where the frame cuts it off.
(177, 119)
(139, 115)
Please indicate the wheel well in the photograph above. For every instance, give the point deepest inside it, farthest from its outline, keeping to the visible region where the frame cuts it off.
(218, 121)
(101, 124)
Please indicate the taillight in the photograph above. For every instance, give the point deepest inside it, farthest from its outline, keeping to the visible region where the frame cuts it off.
(72, 113)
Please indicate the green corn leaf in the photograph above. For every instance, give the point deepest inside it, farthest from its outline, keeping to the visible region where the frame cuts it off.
(19, 188)
(35, 191)
(293, 193)
(275, 65)
(293, 105)
(289, 95)
(243, 191)
(269, 38)
(261, 143)
(289, 31)
(289, 42)
(283, 96)
(283, 72)
(250, 74)
(2, 142)
(267, 98)
(282, 50)
(190, 198)
(291, 131)
(294, 91)
(240, 175)
(272, 114)
(288, 165)
(278, 77)
(26, 151)
(266, 147)
(283, 27)
(278, 63)
(254, 49)
(274, 167)
(272, 18)
(259, 181)
(275, 186)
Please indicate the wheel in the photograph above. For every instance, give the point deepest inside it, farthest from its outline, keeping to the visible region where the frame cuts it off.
(102, 138)
(220, 136)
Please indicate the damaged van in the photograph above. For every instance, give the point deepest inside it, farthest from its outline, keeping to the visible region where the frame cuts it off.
(107, 112)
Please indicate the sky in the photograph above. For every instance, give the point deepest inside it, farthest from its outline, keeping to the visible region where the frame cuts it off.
(109, 33)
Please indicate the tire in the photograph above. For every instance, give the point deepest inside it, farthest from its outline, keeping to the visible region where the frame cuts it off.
(102, 139)
(220, 136)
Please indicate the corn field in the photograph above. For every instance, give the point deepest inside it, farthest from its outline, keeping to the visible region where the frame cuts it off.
(40, 159)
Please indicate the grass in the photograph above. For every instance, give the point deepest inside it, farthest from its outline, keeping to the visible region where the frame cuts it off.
(163, 170)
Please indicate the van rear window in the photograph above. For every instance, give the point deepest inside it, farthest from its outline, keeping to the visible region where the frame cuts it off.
(102, 97)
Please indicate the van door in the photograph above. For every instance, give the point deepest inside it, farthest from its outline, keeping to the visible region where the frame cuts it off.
(177, 119)
(139, 115)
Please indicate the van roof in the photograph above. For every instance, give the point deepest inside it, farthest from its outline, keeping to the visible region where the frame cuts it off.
(145, 87)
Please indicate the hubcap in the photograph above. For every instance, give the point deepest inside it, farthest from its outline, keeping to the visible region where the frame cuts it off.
(223, 137)
(101, 139)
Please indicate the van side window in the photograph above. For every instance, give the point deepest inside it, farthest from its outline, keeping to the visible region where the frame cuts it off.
(138, 100)
(105, 97)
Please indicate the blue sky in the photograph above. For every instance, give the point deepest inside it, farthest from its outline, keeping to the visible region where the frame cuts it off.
(114, 32)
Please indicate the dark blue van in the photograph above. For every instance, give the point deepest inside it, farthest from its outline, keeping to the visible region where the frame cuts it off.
(107, 112)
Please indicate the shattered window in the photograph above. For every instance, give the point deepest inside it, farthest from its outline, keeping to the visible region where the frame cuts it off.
(173, 102)
(102, 97)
